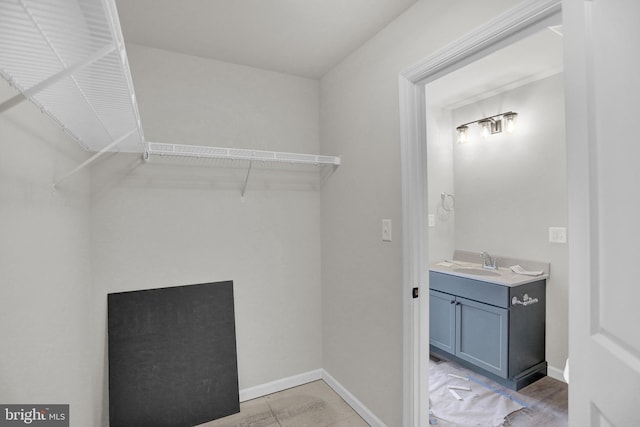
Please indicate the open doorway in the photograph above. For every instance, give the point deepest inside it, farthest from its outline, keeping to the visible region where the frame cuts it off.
(515, 24)
(503, 194)
(604, 345)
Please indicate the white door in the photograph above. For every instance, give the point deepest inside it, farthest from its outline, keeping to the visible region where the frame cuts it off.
(602, 69)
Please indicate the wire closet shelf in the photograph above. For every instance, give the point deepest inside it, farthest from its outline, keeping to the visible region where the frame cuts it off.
(260, 156)
(197, 151)
(68, 58)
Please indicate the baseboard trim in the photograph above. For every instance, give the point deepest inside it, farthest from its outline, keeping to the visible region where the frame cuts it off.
(307, 377)
(352, 401)
(321, 374)
(279, 385)
(555, 373)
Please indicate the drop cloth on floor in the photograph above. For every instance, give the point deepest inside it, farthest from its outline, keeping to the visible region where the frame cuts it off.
(479, 407)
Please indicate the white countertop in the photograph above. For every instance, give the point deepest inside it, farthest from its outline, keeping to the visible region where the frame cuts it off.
(500, 276)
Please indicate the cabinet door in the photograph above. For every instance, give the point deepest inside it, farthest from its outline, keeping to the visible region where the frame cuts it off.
(442, 317)
(482, 334)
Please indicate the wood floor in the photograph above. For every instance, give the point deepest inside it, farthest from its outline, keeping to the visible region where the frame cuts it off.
(548, 399)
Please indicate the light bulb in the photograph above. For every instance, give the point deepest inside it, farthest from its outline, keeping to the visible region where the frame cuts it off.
(510, 120)
(486, 128)
(462, 134)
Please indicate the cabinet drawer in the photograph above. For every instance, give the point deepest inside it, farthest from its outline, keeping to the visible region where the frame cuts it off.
(488, 293)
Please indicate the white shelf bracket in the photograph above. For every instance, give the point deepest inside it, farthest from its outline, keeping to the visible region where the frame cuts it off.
(246, 180)
(92, 159)
(27, 93)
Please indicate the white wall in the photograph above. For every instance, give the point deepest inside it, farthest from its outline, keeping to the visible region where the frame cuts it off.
(44, 260)
(440, 171)
(511, 188)
(175, 223)
(361, 275)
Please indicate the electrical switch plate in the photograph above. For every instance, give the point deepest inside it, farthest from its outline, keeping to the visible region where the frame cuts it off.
(386, 230)
(557, 234)
(432, 220)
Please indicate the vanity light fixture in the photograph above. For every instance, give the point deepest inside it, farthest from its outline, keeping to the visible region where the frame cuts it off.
(489, 125)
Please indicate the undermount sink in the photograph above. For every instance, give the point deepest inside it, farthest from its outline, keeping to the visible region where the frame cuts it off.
(476, 271)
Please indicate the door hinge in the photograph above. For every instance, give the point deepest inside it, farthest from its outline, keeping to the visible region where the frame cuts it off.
(415, 293)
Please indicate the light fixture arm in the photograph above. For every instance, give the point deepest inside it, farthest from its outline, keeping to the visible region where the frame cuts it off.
(490, 118)
(490, 125)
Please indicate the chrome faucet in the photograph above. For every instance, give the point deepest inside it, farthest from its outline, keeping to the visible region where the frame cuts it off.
(488, 261)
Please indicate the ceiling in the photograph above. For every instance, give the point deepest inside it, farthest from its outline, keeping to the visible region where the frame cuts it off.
(532, 58)
(301, 37)
(308, 37)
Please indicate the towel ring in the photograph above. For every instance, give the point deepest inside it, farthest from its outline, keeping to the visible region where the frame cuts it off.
(448, 207)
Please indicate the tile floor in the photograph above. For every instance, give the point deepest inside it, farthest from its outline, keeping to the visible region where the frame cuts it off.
(316, 405)
(310, 405)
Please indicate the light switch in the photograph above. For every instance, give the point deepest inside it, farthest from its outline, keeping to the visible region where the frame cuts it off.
(386, 230)
(558, 234)
(432, 220)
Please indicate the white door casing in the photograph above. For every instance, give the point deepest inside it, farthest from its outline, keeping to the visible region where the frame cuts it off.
(602, 58)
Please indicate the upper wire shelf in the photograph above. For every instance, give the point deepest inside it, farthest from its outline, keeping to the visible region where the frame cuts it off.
(68, 58)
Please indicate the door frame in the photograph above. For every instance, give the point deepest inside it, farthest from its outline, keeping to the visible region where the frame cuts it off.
(516, 23)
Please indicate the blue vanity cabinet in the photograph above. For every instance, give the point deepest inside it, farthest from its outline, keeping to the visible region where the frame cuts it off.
(479, 325)
(472, 331)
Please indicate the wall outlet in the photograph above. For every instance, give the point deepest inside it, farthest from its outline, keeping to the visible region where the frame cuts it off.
(386, 230)
(432, 220)
(557, 234)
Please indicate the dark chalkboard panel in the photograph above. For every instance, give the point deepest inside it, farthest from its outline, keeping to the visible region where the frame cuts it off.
(172, 356)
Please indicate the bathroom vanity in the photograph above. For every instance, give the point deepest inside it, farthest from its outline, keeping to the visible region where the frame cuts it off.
(490, 321)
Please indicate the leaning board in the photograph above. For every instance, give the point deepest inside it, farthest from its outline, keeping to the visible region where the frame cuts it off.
(172, 356)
